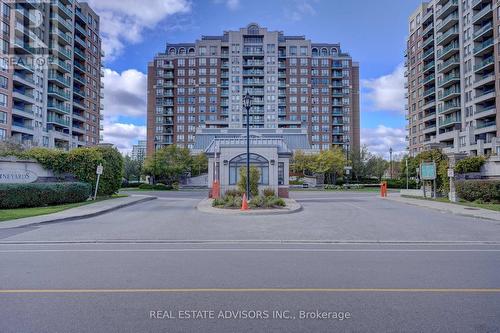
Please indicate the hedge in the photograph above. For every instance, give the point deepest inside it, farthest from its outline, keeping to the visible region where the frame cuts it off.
(82, 163)
(42, 194)
(478, 190)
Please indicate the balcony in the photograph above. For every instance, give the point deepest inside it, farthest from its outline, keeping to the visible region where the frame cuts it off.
(59, 78)
(448, 94)
(24, 79)
(24, 46)
(448, 51)
(57, 92)
(80, 53)
(448, 80)
(58, 120)
(486, 12)
(80, 29)
(23, 109)
(63, 9)
(449, 64)
(80, 41)
(483, 31)
(485, 64)
(449, 107)
(448, 22)
(62, 37)
(61, 51)
(486, 124)
(60, 107)
(427, 54)
(448, 36)
(62, 23)
(429, 92)
(449, 121)
(446, 9)
(429, 66)
(483, 47)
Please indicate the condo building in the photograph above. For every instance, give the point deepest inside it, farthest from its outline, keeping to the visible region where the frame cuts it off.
(139, 151)
(50, 73)
(453, 71)
(295, 84)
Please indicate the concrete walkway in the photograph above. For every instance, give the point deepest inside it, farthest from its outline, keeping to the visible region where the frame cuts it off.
(79, 213)
(448, 207)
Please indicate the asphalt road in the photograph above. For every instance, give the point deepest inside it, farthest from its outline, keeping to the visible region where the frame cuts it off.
(381, 266)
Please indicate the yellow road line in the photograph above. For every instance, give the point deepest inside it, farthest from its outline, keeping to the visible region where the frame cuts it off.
(253, 290)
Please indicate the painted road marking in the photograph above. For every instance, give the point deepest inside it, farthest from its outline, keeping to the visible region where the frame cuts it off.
(246, 250)
(254, 290)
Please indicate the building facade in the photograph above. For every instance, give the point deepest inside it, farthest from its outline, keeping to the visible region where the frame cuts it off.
(294, 83)
(50, 74)
(453, 72)
(139, 151)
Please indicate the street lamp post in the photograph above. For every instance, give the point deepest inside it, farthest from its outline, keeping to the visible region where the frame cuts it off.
(390, 153)
(247, 103)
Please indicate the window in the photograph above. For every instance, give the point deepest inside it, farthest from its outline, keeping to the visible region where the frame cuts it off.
(255, 161)
(3, 100)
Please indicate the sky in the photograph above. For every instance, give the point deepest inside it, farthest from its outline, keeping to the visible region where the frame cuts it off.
(373, 32)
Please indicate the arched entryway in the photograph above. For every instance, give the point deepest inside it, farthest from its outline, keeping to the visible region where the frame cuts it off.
(257, 161)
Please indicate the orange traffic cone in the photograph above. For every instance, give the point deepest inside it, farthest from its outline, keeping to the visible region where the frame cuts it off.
(244, 203)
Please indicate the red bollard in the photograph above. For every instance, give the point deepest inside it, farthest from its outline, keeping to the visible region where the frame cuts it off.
(215, 190)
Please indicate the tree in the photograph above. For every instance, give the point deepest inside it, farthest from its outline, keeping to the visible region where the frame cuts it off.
(168, 164)
(376, 167)
(254, 180)
(199, 165)
(301, 163)
(358, 161)
(330, 163)
(131, 169)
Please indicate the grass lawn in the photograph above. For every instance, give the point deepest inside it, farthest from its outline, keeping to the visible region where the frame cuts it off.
(489, 206)
(19, 213)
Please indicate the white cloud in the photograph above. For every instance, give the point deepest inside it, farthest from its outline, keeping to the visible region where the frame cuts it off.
(230, 4)
(125, 94)
(299, 9)
(387, 93)
(123, 136)
(379, 140)
(123, 21)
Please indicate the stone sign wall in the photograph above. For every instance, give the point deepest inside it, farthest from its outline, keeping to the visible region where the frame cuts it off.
(14, 171)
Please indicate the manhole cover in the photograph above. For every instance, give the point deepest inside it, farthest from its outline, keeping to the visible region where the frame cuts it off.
(470, 208)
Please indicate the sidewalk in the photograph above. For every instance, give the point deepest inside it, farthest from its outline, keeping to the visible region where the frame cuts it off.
(87, 211)
(447, 207)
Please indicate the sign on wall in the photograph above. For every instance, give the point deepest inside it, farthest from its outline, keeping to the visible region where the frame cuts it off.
(13, 176)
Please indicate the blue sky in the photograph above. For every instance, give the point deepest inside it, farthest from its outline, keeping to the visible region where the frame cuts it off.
(134, 31)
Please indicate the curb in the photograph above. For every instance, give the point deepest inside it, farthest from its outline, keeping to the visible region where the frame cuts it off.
(444, 210)
(205, 206)
(85, 216)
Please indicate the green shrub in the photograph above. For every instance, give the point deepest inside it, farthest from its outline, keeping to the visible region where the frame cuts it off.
(334, 187)
(42, 194)
(254, 180)
(82, 163)
(470, 164)
(111, 179)
(146, 187)
(474, 190)
(266, 202)
(127, 184)
(269, 192)
(233, 193)
(156, 187)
